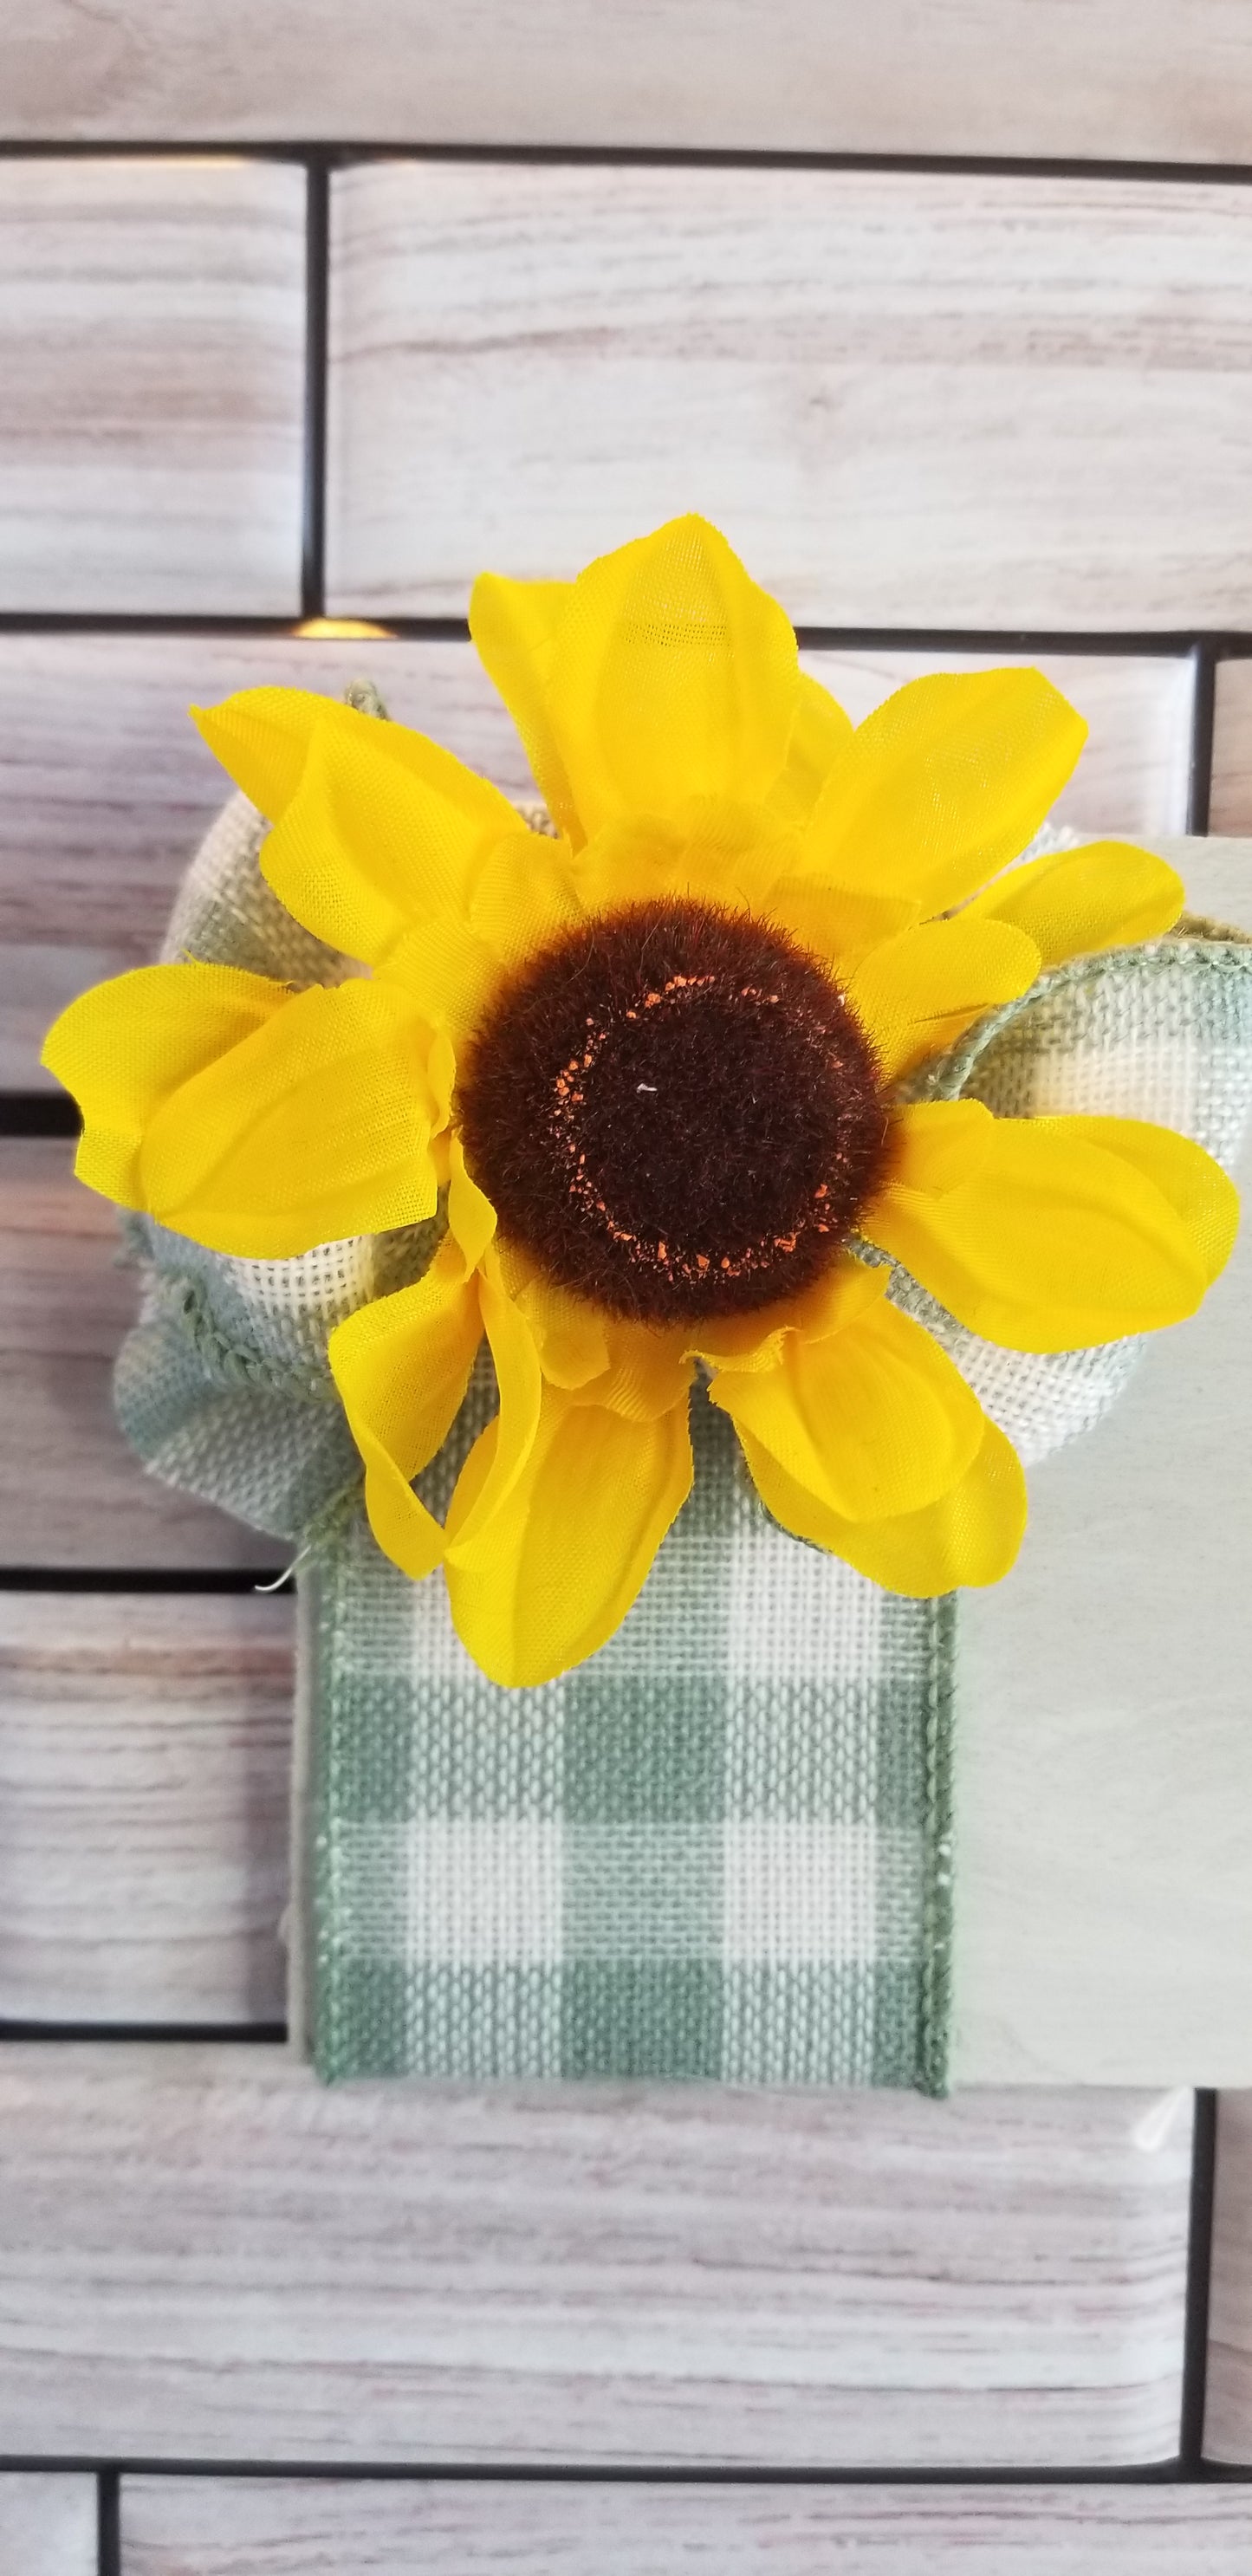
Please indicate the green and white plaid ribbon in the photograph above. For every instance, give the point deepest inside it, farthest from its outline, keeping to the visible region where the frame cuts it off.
(722, 1849)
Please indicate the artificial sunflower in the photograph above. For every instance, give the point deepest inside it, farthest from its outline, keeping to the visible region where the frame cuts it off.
(654, 1072)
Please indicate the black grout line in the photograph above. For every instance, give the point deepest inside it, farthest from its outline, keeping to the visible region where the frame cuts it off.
(356, 2472)
(1199, 2281)
(1203, 705)
(140, 1579)
(1163, 643)
(123, 623)
(316, 358)
(108, 2523)
(1126, 643)
(161, 2034)
(38, 1113)
(338, 153)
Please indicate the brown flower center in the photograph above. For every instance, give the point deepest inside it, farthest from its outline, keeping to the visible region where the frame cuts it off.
(675, 1112)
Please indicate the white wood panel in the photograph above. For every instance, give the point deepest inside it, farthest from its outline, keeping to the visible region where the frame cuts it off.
(144, 1750)
(1231, 809)
(921, 400)
(1104, 1902)
(282, 2527)
(1104, 1908)
(209, 2255)
(1228, 2408)
(71, 1492)
(47, 2524)
(151, 354)
(1093, 77)
(105, 786)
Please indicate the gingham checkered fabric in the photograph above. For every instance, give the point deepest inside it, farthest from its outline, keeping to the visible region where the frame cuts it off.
(721, 1849)
(718, 1849)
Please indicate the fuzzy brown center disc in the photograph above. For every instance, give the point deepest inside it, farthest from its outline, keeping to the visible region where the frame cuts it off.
(675, 1112)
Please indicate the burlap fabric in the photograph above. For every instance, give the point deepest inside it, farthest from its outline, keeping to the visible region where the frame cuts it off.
(721, 1849)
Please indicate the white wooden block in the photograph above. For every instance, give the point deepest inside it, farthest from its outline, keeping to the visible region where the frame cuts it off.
(283, 2527)
(909, 399)
(144, 1753)
(208, 2255)
(105, 785)
(151, 346)
(47, 2524)
(1126, 79)
(1104, 1902)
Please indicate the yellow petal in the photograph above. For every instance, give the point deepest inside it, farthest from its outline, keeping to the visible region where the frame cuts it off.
(449, 974)
(402, 1366)
(1201, 1194)
(938, 1145)
(837, 925)
(471, 1216)
(944, 783)
(1064, 1232)
(649, 1370)
(553, 1572)
(711, 849)
(872, 1421)
(1077, 902)
(125, 1046)
(758, 1341)
(384, 831)
(523, 898)
(915, 993)
(262, 736)
(971, 1535)
(672, 675)
(316, 1127)
(514, 626)
(517, 1422)
(570, 1335)
(637, 1370)
(820, 735)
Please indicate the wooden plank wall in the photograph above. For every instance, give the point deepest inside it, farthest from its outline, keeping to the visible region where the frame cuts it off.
(303, 318)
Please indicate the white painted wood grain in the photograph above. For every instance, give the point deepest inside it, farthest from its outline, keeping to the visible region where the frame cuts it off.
(1104, 1899)
(105, 785)
(207, 2254)
(1228, 2408)
(144, 1753)
(71, 1492)
(1131, 79)
(1231, 809)
(289, 2527)
(47, 2524)
(908, 399)
(151, 357)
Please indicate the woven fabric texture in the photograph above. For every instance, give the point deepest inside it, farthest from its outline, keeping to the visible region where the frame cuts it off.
(722, 1849)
